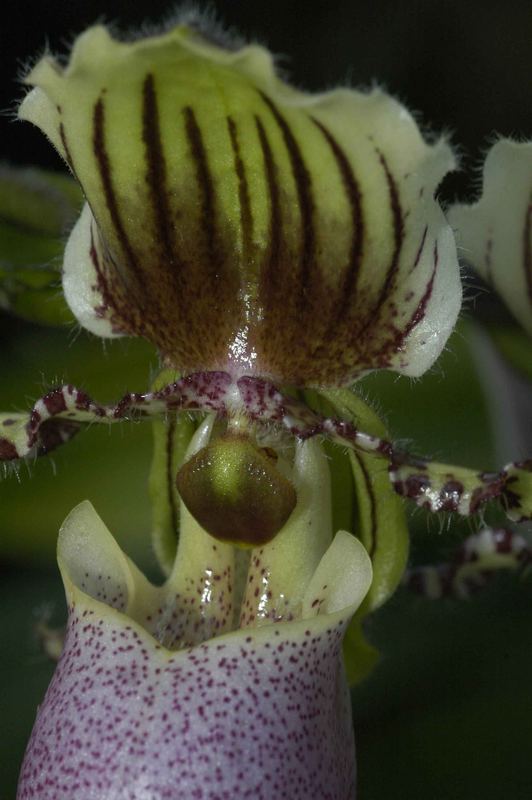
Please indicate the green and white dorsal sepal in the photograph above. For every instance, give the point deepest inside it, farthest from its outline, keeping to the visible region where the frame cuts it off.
(234, 220)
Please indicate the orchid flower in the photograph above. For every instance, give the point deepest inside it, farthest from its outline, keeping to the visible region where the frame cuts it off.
(274, 247)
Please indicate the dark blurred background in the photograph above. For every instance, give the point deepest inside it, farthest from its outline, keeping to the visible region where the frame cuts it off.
(447, 714)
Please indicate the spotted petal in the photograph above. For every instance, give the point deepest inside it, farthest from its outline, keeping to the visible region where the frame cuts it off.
(240, 224)
(496, 232)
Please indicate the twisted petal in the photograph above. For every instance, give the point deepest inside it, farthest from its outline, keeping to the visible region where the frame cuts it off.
(254, 713)
(496, 232)
(58, 415)
(240, 224)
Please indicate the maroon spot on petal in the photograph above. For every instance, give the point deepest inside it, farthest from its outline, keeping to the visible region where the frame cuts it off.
(450, 495)
(55, 402)
(503, 541)
(415, 486)
(8, 451)
(524, 465)
(54, 433)
(493, 486)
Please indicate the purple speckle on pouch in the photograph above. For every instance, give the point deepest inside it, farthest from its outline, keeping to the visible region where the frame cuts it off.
(255, 714)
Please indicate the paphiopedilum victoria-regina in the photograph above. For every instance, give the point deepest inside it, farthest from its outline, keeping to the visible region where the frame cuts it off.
(274, 246)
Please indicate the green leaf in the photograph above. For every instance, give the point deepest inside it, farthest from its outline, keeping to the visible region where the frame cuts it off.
(171, 437)
(37, 208)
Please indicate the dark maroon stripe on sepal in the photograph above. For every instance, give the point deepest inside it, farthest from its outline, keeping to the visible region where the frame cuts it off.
(420, 249)
(246, 219)
(352, 190)
(398, 232)
(105, 170)
(156, 169)
(421, 308)
(272, 265)
(304, 192)
(206, 186)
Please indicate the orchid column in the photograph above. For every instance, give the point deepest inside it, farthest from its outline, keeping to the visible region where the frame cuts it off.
(268, 243)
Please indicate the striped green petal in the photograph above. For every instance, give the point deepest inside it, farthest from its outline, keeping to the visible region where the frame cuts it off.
(495, 233)
(240, 224)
